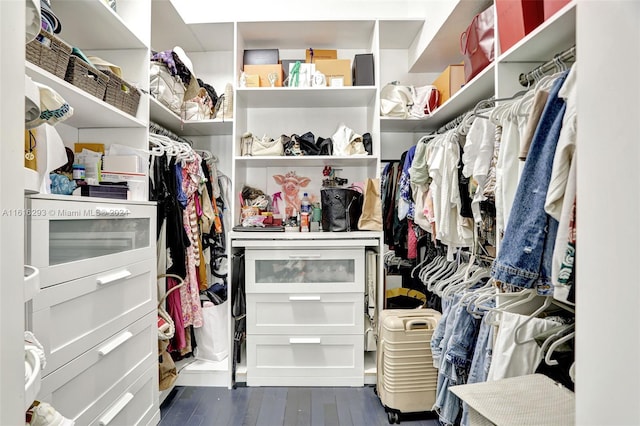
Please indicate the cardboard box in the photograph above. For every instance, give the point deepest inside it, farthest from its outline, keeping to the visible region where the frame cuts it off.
(516, 19)
(450, 81)
(320, 54)
(335, 69)
(263, 72)
(260, 56)
(251, 80)
(363, 70)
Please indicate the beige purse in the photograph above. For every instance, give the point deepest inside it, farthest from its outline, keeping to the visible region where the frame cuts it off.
(267, 147)
(371, 217)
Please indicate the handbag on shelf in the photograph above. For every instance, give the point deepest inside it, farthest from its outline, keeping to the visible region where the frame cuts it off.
(371, 217)
(395, 100)
(477, 43)
(266, 146)
(425, 100)
(346, 142)
(341, 208)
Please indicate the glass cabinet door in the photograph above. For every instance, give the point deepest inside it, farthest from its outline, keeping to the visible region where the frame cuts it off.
(305, 271)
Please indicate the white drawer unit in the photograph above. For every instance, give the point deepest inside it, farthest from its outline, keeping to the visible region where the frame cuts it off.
(96, 312)
(71, 317)
(305, 270)
(72, 239)
(304, 313)
(92, 383)
(135, 406)
(305, 360)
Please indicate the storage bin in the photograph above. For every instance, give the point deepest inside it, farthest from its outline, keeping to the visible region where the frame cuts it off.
(105, 191)
(517, 18)
(52, 55)
(84, 76)
(121, 94)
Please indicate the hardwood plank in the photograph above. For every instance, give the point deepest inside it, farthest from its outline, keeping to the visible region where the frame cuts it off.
(253, 408)
(343, 409)
(298, 407)
(272, 407)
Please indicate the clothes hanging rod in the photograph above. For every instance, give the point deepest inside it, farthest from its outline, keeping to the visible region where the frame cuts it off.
(159, 130)
(569, 55)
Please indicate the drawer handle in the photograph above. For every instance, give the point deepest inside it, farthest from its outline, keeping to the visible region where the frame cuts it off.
(120, 275)
(305, 256)
(115, 409)
(304, 340)
(304, 298)
(112, 211)
(105, 349)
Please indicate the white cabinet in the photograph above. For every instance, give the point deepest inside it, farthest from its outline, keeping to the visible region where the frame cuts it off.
(96, 312)
(305, 315)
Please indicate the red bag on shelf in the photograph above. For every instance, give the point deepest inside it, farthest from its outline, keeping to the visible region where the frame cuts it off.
(477, 43)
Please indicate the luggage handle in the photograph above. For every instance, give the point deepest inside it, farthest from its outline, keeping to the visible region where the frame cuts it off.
(416, 324)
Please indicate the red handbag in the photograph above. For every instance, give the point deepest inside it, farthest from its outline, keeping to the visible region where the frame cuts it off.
(477, 43)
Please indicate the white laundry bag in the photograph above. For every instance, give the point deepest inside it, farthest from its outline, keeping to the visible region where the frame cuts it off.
(213, 337)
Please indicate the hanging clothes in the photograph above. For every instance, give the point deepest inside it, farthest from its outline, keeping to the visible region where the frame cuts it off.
(524, 259)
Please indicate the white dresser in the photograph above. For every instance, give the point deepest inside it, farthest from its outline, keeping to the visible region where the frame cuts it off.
(305, 304)
(96, 312)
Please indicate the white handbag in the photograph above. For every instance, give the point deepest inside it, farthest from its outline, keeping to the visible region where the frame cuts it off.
(346, 142)
(167, 89)
(266, 146)
(396, 100)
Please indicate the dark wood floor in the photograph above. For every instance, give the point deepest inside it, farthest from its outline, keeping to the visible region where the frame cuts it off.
(280, 406)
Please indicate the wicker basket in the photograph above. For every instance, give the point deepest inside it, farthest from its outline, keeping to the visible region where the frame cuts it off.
(87, 78)
(121, 94)
(52, 56)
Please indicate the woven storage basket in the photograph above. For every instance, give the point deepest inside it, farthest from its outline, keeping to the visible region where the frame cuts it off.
(121, 94)
(87, 78)
(53, 56)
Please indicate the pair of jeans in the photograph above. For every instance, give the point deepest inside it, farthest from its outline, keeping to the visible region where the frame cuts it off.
(526, 252)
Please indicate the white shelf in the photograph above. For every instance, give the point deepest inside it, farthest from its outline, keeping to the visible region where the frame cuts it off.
(93, 25)
(162, 115)
(204, 373)
(399, 34)
(306, 161)
(191, 37)
(443, 47)
(555, 34)
(348, 34)
(305, 97)
(88, 111)
(370, 368)
(481, 87)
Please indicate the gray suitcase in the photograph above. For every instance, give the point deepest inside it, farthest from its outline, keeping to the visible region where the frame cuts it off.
(406, 377)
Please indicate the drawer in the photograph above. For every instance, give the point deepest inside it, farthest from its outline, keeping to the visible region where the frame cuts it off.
(305, 360)
(72, 317)
(89, 385)
(136, 406)
(74, 239)
(321, 313)
(292, 271)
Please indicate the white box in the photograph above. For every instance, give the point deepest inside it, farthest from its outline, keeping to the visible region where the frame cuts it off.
(121, 163)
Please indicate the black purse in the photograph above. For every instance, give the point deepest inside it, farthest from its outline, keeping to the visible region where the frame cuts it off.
(341, 209)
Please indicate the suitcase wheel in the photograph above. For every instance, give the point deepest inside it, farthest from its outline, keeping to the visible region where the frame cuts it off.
(393, 417)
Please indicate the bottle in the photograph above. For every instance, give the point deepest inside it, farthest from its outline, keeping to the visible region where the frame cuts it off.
(305, 204)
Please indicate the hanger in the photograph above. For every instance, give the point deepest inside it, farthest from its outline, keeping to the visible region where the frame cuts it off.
(516, 333)
(554, 345)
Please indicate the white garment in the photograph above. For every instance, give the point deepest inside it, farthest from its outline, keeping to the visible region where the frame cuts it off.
(478, 152)
(510, 359)
(565, 148)
(562, 186)
(50, 154)
(451, 228)
(507, 170)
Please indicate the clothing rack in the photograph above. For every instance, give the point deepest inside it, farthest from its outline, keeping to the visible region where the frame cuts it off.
(554, 64)
(159, 130)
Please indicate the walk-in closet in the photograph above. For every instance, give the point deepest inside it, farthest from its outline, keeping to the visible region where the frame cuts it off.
(342, 213)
